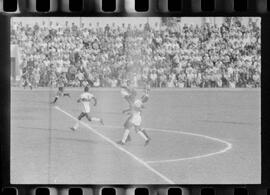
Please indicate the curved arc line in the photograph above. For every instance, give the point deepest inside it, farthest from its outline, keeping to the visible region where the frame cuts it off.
(228, 145)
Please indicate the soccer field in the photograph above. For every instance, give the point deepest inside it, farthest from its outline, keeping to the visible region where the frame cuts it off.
(209, 136)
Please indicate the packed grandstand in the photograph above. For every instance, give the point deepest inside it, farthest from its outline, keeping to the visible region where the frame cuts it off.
(170, 55)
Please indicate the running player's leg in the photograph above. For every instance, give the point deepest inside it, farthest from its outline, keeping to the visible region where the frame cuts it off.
(58, 94)
(30, 85)
(76, 126)
(24, 84)
(129, 123)
(143, 134)
(65, 93)
(55, 98)
(126, 126)
(61, 90)
(125, 137)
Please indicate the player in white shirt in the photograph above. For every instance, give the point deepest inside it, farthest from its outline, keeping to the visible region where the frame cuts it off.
(129, 94)
(86, 99)
(135, 119)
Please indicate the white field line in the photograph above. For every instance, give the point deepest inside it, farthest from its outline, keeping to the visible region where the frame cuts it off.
(169, 181)
(228, 145)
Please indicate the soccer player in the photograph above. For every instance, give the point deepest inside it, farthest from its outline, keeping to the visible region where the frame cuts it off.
(60, 91)
(86, 99)
(27, 82)
(129, 94)
(26, 79)
(135, 119)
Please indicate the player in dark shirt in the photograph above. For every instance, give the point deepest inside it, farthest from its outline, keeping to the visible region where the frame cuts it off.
(60, 91)
(26, 78)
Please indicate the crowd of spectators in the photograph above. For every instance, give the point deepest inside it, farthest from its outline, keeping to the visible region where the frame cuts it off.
(228, 55)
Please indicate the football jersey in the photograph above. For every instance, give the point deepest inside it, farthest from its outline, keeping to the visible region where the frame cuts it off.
(85, 100)
(138, 103)
(137, 106)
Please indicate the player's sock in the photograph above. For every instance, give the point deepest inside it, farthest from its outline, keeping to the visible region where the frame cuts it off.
(125, 136)
(143, 134)
(67, 94)
(55, 99)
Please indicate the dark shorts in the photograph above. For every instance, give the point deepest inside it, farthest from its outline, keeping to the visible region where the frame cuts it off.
(84, 114)
(59, 93)
(127, 123)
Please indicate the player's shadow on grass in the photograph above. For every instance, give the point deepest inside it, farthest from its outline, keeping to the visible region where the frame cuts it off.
(76, 140)
(44, 129)
(103, 112)
(227, 122)
(61, 138)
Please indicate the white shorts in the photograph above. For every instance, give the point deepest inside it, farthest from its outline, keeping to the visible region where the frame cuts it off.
(86, 108)
(136, 120)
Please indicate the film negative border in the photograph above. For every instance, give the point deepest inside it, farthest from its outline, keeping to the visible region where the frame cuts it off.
(140, 190)
(132, 7)
(128, 8)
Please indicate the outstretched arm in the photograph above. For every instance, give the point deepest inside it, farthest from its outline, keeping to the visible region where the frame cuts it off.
(126, 110)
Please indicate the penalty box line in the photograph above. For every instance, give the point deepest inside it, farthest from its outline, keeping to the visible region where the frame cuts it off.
(119, 148)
